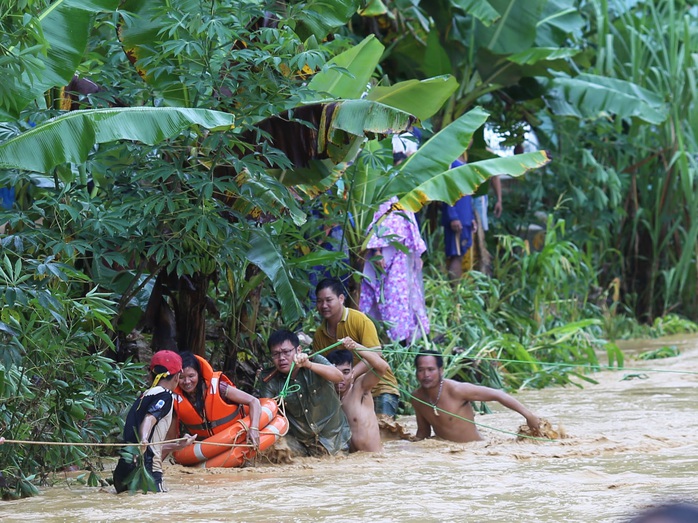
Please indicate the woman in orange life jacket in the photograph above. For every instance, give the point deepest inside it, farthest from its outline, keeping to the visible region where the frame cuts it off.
(208, 401)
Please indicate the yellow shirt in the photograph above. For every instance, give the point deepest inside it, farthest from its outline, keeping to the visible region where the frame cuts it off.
(361, 329)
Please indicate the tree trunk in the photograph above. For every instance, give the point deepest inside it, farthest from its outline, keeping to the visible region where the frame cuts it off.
(190, 312)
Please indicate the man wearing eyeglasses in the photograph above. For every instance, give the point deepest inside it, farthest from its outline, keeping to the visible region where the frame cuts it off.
(317, 423)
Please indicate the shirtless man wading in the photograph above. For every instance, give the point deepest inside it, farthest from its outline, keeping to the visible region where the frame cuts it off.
(440, 398)
(355, 393)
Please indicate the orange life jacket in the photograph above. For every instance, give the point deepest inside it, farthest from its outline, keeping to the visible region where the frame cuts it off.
(218, 413)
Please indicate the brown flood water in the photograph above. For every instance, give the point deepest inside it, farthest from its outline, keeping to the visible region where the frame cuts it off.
(631, 443)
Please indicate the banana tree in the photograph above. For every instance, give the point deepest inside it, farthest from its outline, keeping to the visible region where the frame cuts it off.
(425, 176)
(209, 184)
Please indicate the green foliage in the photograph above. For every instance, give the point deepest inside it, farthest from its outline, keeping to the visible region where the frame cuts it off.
(55, 384)
(630, 190)
(672, 324)
(668, 351)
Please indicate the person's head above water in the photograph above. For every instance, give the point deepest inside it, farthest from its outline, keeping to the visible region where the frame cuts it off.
(283, 346)
(429, 367)
(191, 382)
(343, 359)
(427, 353)
(330, 299)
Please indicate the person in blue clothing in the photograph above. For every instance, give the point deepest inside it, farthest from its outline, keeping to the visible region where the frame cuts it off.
(459, 224)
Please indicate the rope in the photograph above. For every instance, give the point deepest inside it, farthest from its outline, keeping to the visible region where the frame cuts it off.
(289, 389)
(85, 444)
(286, 389)
(590, 366)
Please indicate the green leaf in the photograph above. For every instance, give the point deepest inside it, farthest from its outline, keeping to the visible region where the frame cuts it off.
(593, 96)
(479, 9)
(139, 31)
(358, 117)
(348, 73)
(373, 8)
(437, 154)
(436, 61)
(515, 30)
(421, 98)
(561, 21)
(319, 17)
(264, 253)
(66, 26)
(542, 54)
(71, 137)
(453, 184)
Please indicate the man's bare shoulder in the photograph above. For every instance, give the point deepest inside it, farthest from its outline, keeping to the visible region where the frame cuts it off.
(459, 388)
(469, 392)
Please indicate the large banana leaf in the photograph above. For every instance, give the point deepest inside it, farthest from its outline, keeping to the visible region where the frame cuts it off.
(350, 71)
(356, 65)
(451, 185)
(264, 253)
(560, 20)
(592, 96)
(421, 98)
(436, 61)
(357, 117)
(319, 17)
(535, 55)
(71, 137)
(436, 155)
(330, 131)
(515, 30)
(66, 26)
(479, 9)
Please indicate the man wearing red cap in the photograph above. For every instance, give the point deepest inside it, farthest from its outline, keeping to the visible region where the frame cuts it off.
(148, 421)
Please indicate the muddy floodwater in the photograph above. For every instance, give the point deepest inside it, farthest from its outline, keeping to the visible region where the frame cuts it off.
(632, 442)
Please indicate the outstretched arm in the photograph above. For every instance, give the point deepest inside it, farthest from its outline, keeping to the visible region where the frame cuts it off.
(329, 372)
(470, 392)
(373, 361)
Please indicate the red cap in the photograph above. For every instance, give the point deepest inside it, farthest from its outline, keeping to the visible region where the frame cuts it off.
(168, 359)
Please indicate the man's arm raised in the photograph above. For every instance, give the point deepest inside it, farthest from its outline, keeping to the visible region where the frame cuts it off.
(329, 372)
(470, 392)
(376, 366)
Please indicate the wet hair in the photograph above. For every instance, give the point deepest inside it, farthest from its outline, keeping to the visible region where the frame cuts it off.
(190, 361)
(340, 357)
(437, 355)
(333, 284)
(280, 336)
(669, 513)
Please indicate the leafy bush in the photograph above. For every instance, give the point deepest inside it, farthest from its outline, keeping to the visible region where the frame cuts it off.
(54, 383)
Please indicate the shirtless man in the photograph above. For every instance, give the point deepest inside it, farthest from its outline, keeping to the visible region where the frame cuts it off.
(355, 393)
(438, 398)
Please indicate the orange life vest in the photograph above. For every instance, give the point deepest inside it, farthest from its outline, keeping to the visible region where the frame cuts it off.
(218, 413)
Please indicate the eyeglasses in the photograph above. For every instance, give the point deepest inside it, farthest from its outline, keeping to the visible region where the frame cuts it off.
(286, 353)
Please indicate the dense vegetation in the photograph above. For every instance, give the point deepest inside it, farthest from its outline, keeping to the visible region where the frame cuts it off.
(183, 196)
